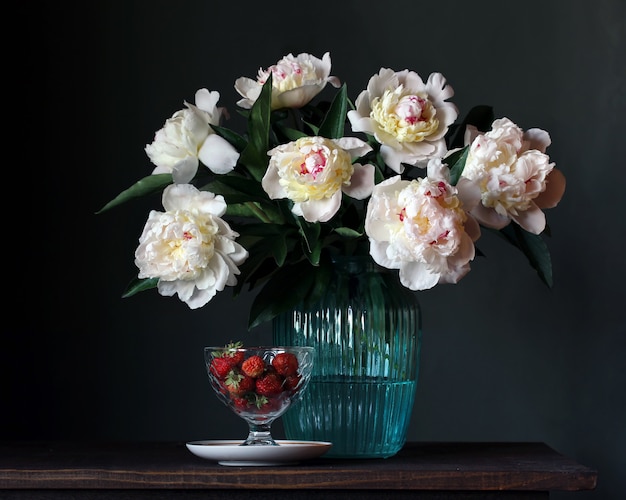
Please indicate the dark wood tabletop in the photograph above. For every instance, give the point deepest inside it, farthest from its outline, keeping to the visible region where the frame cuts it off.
(163, 470)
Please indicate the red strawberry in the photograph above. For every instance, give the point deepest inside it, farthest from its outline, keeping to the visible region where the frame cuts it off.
(259, 401)
(286, 363)
(269, 385)
(291, 382)
(240, 384)
(221, 367)
(273, 404)
(235, 355)
(241, 403)
(232, 381)
(253, 367)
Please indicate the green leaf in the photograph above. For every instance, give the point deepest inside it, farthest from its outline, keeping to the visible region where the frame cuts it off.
(139, 285)
(232, 137)
(268, 246)
(275, 298)
(148, 185)
(257, 267)
(271, 214)
(333, 126)
(265, 239)
(247, 209)
(307, 285)
(290, 134)
(254, 156)
(481, 117)
(246, 189)
(322, 275)
(266, 230)
(311, 244)
(314, 129)
(245, 198)
(348, 232)
(313, 252)
(456, 163)
(279, 249)
(534, 248)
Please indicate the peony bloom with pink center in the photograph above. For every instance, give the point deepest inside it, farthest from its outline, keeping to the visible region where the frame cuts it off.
(295, 81)
(189, 247)
(408, 117)
(421, 228)
(515, 176)
(313, 172)
(187, 139)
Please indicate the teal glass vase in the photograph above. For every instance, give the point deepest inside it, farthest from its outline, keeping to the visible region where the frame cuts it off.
(366, 330)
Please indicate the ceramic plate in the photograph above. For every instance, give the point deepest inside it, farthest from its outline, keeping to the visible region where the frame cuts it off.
(229, 452)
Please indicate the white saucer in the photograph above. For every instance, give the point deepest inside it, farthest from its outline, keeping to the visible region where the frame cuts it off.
(229, 452)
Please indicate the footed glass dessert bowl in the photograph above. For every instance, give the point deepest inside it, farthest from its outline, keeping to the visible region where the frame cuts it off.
(259, 383)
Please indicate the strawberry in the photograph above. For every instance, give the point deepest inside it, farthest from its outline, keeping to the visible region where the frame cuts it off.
(241, 403)
(253, 367)
(291, 382)
(269, 384)
(232, 381)
(221, 367)
(239, 384)
(273, 404)
(286, 363)
(235, 355)
(259, 401)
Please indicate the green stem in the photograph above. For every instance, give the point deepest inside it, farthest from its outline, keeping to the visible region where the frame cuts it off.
(260, 214)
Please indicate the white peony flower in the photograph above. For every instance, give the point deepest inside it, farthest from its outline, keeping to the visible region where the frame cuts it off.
(187, 139)
(295, 81)
(314, 171)
(514, 175)
(189, 248)
(421, 228)
(408, 117)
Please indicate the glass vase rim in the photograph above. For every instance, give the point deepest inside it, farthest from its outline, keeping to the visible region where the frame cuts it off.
(366, 262)
(260, 348)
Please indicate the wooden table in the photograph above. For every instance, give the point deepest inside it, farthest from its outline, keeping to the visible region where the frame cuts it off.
(168, 470)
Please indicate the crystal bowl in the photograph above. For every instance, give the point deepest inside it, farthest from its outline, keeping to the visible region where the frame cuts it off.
(259, 383)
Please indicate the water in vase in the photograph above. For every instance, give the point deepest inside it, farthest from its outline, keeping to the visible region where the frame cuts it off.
(365, 406)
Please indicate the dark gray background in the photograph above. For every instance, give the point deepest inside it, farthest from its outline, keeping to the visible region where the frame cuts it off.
(504, 358)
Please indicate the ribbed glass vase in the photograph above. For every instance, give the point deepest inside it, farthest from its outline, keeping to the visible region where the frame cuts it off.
(367, 333)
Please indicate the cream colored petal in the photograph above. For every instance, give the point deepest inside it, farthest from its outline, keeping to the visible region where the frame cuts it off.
(469, 193)
(361, 182)
(218, 154)
(385, 79)
(489, 217)
(378, 251)
(185, 170)
(537, 139)
(417, 276)
(356, 147)
(295, 98)
(177, 196)
(555, 188)
(437, 86)
(361, 122)
(532, 220)
(393, 158)
(271, 184)
(320, 210)
(207, 101)
(249, 89)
